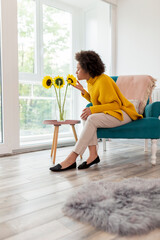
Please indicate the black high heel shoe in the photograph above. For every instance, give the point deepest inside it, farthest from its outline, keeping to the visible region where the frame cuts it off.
(84, 165)
(58, 167)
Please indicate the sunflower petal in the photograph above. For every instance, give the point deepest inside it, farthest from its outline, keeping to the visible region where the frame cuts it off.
(47, 82)
(71, 80)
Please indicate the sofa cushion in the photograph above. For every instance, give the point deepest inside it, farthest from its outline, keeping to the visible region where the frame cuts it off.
(137, 87)
(142, 128)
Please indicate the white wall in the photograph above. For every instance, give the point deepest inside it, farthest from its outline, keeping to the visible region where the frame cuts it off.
(138, 37)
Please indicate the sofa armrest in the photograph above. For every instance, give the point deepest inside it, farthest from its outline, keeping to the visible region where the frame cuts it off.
(89, 105)
(152, 110)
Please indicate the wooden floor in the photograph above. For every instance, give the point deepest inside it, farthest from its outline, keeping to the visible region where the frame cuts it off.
(32, 197)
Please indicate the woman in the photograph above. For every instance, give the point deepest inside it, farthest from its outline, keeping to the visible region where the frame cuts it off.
(110, 109)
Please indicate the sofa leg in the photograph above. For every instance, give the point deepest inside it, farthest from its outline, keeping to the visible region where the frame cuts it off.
(104, 144)
(154, 151)
(146, 145)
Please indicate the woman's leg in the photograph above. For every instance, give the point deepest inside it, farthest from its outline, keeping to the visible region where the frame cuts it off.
(88, 136)
(69, 160)
(92, 153)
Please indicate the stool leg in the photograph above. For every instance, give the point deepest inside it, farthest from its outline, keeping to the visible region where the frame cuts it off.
(55, 143)
(74, 132)
(75, 135)
(54, 134)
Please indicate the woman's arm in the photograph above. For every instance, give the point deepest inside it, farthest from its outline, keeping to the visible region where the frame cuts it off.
(104, 107)
(106, 96)
(86, 96)
(84, 93)
(79, 87)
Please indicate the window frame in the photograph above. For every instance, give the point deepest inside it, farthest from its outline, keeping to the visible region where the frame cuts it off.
(10, 101)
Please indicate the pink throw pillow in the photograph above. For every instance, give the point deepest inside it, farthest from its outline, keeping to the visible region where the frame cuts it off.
(135, 103)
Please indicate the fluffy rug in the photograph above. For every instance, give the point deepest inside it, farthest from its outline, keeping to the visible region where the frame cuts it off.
(128, 207)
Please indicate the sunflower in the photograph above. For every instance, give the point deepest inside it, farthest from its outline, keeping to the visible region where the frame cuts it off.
(58, 82)
(71, 80)
(47, 82)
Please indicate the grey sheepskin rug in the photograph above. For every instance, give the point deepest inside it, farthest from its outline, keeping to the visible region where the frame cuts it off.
(129, 207)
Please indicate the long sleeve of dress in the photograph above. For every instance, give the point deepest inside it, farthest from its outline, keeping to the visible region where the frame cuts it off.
(86, 95)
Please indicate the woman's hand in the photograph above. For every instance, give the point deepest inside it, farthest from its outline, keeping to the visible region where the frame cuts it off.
(79, 87)
(85, 113)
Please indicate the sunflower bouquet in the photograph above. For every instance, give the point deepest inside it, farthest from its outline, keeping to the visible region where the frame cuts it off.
(58, 83)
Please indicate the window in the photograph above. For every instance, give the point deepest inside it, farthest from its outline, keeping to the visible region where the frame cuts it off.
(56, 41)
(26, 36)
(43, 50)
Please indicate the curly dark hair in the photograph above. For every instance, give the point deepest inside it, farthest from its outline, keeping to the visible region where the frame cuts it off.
(90, 62)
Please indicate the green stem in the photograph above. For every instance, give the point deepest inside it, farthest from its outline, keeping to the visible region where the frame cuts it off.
(60, 98)
(56, 96)
(64, 99)
(61, 116)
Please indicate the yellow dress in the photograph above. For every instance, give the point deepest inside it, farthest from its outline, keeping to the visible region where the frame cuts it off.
(107, 98)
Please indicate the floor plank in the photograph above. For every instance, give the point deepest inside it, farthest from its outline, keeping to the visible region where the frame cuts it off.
(32, 197)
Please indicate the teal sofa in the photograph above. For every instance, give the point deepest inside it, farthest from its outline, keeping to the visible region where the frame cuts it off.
(146, 128)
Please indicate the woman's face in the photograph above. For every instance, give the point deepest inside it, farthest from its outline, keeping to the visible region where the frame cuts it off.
(81, 74)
